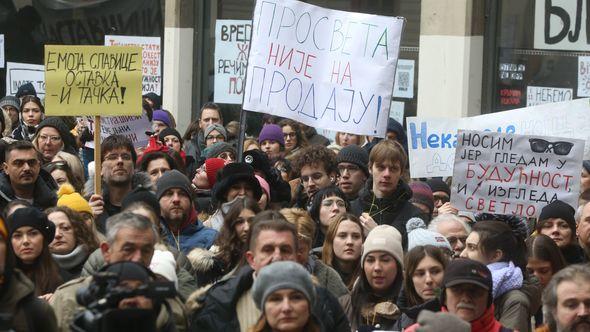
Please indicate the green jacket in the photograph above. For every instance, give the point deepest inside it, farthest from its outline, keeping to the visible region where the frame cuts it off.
(19, 300)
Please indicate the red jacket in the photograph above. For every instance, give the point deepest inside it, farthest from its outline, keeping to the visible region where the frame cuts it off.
(486, 323)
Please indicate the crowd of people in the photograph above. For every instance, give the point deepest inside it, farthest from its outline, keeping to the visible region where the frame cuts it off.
(296, 235)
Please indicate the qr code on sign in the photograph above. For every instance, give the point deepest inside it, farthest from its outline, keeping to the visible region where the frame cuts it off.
(403, 80)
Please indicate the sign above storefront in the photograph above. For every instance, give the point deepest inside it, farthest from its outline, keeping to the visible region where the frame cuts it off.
(562, 25)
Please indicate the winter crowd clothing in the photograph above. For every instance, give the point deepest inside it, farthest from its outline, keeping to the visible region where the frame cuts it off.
(216, 310)
(70, 265)
(418, 235)
(394, 210)
(44, 194)
(354, 154)
(192, 233)
(282, 275)
(34, 218)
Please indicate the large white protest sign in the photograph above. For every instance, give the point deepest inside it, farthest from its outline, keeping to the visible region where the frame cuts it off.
(537, 95)
(562, 25)
(18, 74)
(232, 41)
(515, 174)
(151, 55)
(326, 68)
(1, 51)
(431, 142)
(584, 76)
(132, 127)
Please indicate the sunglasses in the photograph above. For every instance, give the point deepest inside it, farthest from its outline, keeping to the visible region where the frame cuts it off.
(559, 148)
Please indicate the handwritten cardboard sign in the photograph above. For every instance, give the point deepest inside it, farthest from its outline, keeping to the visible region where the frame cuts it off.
(132, 127)
(93, 80)
(151, 55)
(232, 42)
(515, 174)
(326, 68)
(18, 74)
(432, 142)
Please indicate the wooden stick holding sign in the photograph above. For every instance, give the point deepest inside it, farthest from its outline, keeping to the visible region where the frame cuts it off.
(97, 158)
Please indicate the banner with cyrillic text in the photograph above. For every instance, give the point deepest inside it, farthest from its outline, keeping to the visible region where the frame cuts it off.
(515, 174)
(132, 127)
(18, 74)
(232, 41)
(431, 142)
(93, 80)
(151, 55)
(326, 68)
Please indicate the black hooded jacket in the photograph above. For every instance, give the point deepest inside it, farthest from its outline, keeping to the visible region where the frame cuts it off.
(395, 210)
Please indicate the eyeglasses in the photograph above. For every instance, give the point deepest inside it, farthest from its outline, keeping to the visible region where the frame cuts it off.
(330, 201)
(559, 148)
(115, 157)
(442, 198)
(45, 138)
(453, 239)
(290, 135)
(314, 177)
(350, 168)
(21, 162)
(217, 137)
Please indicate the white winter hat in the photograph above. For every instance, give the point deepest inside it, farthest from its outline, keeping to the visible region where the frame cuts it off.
(164, 264)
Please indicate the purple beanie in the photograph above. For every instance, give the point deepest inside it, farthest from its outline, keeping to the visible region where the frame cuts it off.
(271, 132)
(160, 115)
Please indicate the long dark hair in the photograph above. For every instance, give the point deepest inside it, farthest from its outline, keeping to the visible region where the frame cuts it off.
(497, 235)
(411, 261)
(63, 166)
(231, 248)
(296, 126)
(362, 291)
(543, 248)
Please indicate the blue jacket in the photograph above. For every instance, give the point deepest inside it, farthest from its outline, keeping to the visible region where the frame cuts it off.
(192, 236)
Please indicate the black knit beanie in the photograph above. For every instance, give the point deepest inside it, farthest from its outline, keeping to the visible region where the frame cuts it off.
(141, 194)
(32, 217)
(439, 185)
(559, 209)
(354, 154)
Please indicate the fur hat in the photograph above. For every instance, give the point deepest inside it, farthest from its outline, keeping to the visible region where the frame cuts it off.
(384, 238)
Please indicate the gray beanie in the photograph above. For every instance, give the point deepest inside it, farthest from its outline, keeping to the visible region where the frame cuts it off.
(217, 148)
(282, 275)
(384, 238)
(215, 126)
(173, 179)
(418, 235)
(10, 101)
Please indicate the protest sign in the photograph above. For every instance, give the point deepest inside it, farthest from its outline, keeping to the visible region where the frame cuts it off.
(397, 111)
(1, 51)
(18, 74)
(93, 80)
(404, 79)
(132, 127)
(431, 142)
(562, 25)
(326, 68)
(515, 174)
(537, 95)
(151, 55)
(232, 41)
(584, 76)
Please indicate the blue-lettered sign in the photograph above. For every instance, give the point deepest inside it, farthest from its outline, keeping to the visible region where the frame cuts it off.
(432, 142)
(515, 174)
(326, 68)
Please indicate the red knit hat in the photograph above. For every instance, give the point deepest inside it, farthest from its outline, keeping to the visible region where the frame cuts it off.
(212, 165)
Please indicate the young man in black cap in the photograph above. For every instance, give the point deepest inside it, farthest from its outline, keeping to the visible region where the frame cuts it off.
(353, 169)
(233, 181)
(180, 224)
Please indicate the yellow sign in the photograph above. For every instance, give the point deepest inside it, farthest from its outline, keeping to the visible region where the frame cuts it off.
(93, 80)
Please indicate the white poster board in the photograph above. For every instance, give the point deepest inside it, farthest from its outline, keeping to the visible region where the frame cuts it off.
(397, 111)
(151, 55)
(431, 142)
(18, 74)
(584, 76)
(132, 127)
(232, 42)
(561, 25)
(326, 68)
(404, 79)
(2, 51)
(538, 95)
(515, 174)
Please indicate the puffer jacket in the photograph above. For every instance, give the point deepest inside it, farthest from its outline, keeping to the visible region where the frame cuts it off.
(18, 299)
(44, 194)
(215, 308)
(395, 210)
